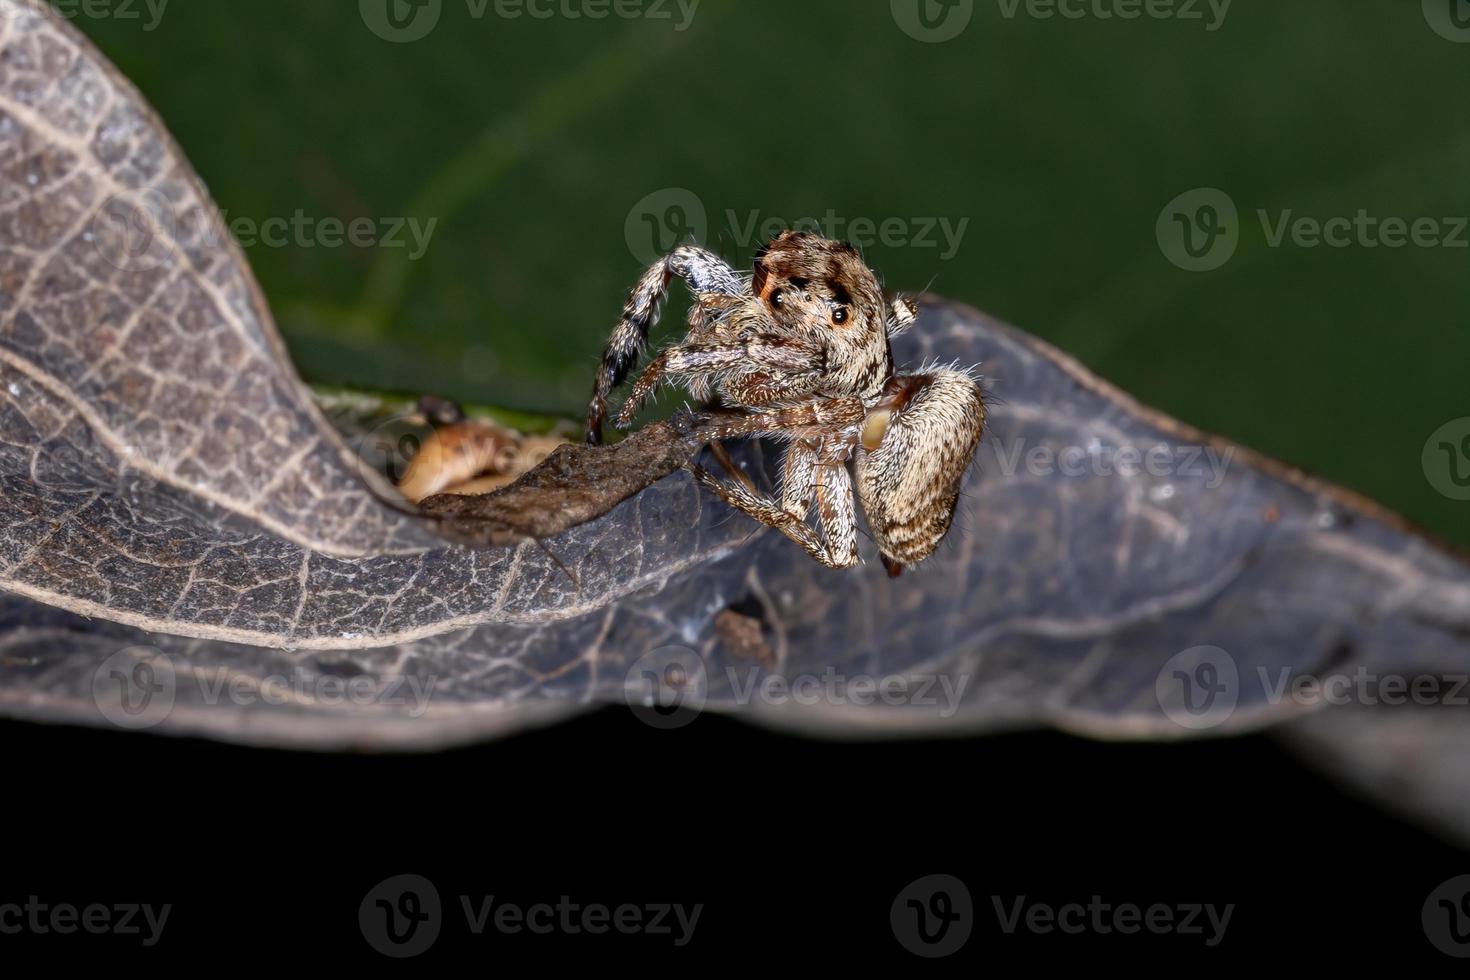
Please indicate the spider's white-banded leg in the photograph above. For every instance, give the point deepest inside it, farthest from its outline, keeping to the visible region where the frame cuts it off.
(835, 548)
(758, 371)
(702, 270)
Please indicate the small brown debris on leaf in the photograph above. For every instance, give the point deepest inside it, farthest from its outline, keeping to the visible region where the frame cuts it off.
(452, 454)
(742, 636)
(468, 455)
(573, 485)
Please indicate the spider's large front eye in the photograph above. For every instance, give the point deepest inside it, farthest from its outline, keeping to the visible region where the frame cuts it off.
(839, 315)
(776, 299)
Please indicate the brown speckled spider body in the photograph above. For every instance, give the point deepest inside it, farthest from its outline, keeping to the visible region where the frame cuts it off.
(801, 350)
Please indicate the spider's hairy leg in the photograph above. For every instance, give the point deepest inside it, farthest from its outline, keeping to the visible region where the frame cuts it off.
(903, 312)
(834, 552)
(799, 478)
(762, 388)
(701, 269)
(835, 418)
(808, 462)
(758, 370)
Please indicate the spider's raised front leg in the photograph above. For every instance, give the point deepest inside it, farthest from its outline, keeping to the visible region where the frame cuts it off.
(701, 269)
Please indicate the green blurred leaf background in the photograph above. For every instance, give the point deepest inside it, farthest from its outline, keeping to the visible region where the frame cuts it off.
(532, 141)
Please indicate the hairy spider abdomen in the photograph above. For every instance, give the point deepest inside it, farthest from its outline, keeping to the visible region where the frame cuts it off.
(918, 441)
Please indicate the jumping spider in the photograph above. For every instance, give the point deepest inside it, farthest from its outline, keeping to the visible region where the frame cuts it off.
(801, 351)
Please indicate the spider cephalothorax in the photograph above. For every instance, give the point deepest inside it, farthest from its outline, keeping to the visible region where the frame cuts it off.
(802, 351)
(820, 289)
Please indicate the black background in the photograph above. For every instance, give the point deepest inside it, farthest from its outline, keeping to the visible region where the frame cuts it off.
(795, 848)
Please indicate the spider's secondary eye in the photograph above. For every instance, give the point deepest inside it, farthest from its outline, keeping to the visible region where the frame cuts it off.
(776, 300)
(839, 315)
